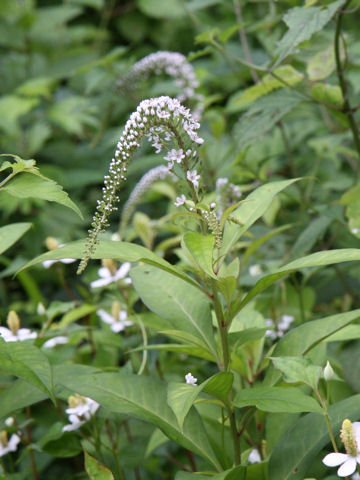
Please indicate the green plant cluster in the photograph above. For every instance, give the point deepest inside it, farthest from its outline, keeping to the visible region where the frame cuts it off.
(215, 331)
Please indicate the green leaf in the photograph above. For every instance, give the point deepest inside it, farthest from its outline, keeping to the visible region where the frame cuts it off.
(142, 397)
(298, 369)
(201, 247)
(181, 397)
(18, 395)
(329, 94)
(28, 362)
(184, 306)
(295, 452)
(75, 314)
(122, 251)
(300, 340)
(12, 107)
(37, 87)
(235, 473)
(95, 470)
(321, 65)
(308, 237)
(326, 257)
(157, 438)
(251, 210)
(303, 22)
(73, 114)
(277, 400)
(10, 234)
(268, 83)
(37, 186)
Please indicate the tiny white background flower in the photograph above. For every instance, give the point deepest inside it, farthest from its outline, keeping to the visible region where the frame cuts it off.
(180, 200)
(60, 340)
(117, 324)
(190, 380)
(11, 445)
(106, 277)
(254, 456)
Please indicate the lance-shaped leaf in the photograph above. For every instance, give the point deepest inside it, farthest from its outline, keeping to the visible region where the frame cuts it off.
(251, 210)
(298, 369)
(18, 395)
(296, 450)
(27, 362)
(11, 234)
(95, 470)
(122, 251)
(142, 397)
(181, 396)
(277, 399)
(201, 247)
(181, 304)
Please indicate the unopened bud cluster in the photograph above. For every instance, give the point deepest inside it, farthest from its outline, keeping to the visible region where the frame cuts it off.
(150, 177)
(213, 223)
(168, 125)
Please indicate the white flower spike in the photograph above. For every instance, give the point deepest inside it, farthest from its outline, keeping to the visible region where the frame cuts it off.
(350, 436)
(190, 380)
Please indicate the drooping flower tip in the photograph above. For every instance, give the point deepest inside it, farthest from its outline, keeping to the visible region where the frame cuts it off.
(190, 380)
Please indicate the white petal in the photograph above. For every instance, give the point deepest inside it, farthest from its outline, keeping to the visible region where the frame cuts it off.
(101, 282)
(48, 263)
(68, 260)
(117, 327)
(123, 271)
(13, 442)
(105, 316)
(335, 459)
(104, 272)
(5, 333)
(348, 467)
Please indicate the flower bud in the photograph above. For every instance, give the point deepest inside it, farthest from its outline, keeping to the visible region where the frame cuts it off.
(40, 309)
(9, 422)
(115, 310)
(51, 243)
(3, 438)
(328, 373)
(13, 321)
(109, 264)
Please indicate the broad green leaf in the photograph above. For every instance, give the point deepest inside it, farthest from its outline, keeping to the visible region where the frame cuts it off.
(75, 314)
(73, 114)
(157, 438)
(321, 65)
(10, 234)
(303, 22)
(298, 369)
(95, 470)
(37, 87)
(187, 349)
(12, 107)
(18, 395)
(326, 257)
(251, 210)
(37, 186)
(329, 94)
(295, 452)
(260, 241)
(219, 385)
(122, 251)
(299, 340)
(201, 249)
(28, 362)
(19, 164)
(277, 399)
(184, 306)
(160, 9)
(142, 397)
(236, 339)
(268, 83)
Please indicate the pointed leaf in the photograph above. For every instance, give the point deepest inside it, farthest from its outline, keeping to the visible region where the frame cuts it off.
(298, 369)
(277, 399)
(327, 257)
(175, 300)
(11, 234)
(201, 249)
(95, 470)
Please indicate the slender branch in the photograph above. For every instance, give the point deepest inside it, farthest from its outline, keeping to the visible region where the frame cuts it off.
(347, 110)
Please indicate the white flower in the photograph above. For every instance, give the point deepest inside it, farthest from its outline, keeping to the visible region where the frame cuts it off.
(355, 230)
(356, 476)
(350, 435)
(55, 341)
(174, 156)
(285, 322)
(255, 270)
(106, 277)
(80, 411)
(118, 322)
(6, 445)
(190, 380)
(21, 334)
(10, 421)
(193, 177)
(180, 200)
(254, 456)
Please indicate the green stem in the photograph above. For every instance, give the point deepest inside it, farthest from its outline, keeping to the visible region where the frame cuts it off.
(343, 84)
(327, 420)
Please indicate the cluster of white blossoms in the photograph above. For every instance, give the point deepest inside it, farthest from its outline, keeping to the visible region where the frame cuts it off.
(168, 125)
(350, 436)
(154, 175)
(277, 330)
(173, 64)
(80, 410)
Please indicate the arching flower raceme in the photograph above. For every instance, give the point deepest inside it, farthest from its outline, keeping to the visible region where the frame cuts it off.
(350, 436)
(168, 125)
